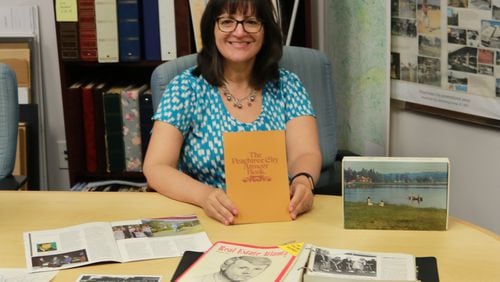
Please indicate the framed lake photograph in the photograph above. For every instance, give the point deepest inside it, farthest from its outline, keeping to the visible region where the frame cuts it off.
(395, 193)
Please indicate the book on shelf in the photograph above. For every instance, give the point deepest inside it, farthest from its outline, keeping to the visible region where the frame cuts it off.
(67, 29)
(87, 30)
(183, 29)
(21, 163)
(117, 241)
(168, 41)
(224, 259)
(151, 30)
(131, 127)
(107, 31)
(100, 131)
(73, 110)
(89, 126)
(255, 165)
(306, 262)
(67, 32)
(129, 30)
(113, 126)
(395, 193)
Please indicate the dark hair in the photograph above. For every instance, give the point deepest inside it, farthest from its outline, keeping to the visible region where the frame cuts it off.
(210, 61)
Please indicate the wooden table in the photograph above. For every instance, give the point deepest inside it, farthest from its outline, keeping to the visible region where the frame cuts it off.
(464, 253)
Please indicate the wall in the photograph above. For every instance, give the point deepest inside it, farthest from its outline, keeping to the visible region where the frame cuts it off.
(474, 153)
(54, 123)
(358, 39)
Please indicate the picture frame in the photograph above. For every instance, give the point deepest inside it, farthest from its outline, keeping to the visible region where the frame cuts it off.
(395, 193)
(444, 60)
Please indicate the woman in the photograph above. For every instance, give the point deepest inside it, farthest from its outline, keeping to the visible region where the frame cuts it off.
(236, 86)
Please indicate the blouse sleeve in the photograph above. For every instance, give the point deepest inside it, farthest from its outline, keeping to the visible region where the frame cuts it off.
(297, 100)
(176, 104)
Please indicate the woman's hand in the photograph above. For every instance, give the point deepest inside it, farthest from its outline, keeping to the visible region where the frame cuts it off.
(217, 205)
(302, 199)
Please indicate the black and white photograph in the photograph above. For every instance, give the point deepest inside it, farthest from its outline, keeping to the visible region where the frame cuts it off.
(485, 69)
(497, 58)
(344, 263)
(407, 9)
(429, 71)
(429, 46)
(480, 4)
(497, 87)
(408, 67)
(463, 59)
(457, 3)
(403, 27)
(457, 36)
(395, 65)
(495, 11)
(472, 38)
(490, 34)
(239, 268)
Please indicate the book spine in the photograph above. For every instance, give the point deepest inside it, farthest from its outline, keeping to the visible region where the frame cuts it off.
(184, 35)
(89, 127)
(113, 126)
(68, 40)
(168, 42)
(100, 131)
(151, 30)
(87, 30)
(131, 128)
(106, 31)
(145, 113)
(72, 100)
(129, 30)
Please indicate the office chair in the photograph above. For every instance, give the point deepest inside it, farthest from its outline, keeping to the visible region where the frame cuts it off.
(314, 69)
(9, 118)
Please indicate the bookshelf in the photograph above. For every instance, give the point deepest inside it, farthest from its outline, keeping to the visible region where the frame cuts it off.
(77, 68)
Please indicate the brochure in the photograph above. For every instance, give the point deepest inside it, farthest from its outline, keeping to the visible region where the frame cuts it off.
(120, 241)
(256, 165)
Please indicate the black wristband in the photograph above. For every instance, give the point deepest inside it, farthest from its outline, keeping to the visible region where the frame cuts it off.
(306, 175)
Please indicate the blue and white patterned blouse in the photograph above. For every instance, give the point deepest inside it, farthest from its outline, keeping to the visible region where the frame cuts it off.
(195, 107)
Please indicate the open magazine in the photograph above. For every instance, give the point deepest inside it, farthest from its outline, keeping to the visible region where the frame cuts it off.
(119, 241)
(226, 260)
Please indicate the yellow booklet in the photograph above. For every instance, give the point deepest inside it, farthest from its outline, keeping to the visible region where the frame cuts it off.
(257, 176)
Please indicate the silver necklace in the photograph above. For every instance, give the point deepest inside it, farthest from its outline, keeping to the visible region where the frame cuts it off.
(238, 102)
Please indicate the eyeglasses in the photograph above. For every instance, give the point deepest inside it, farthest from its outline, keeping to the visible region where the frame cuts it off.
(250, 25)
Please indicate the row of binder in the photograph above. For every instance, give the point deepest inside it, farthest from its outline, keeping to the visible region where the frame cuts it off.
(116, 125)
(108, 31)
